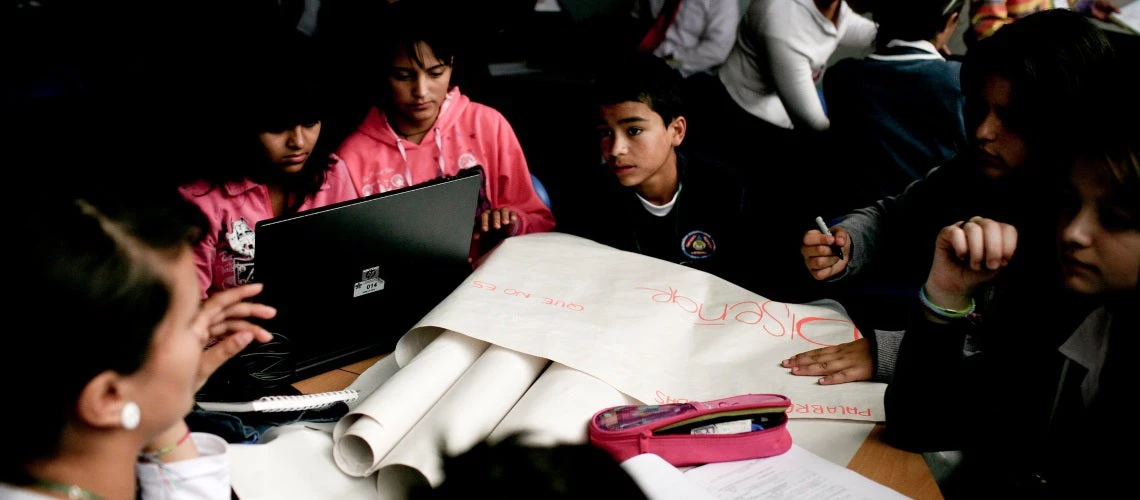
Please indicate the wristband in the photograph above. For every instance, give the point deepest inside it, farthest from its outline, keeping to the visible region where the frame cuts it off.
(943, 312)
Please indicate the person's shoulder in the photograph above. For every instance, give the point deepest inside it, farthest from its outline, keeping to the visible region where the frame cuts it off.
(196, 186)
(199, 190)
(771, 15)
(481, 112)
(337, 172)
(705, 173)
(925, 74)
(366, 134)
(955, 173)
(769, 6)
(212, 198)
(704, 162)
(947, 67)
(787, 15)
(949, 76)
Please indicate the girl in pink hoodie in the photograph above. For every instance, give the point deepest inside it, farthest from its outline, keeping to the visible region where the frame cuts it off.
(284, 170)
(425, 128)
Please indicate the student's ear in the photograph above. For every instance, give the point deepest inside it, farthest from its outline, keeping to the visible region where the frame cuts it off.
(101, 401)
(952, 22)
(677, 128)
(942, 39)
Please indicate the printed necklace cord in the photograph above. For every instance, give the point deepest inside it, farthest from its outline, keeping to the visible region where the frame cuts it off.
(74, 492)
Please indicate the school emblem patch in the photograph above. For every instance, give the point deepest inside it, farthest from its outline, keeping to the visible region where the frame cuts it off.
(698, 245)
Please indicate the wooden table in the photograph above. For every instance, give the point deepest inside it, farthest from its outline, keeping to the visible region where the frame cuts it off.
(900, 470)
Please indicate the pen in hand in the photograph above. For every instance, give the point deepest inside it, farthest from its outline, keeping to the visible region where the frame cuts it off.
(827, 232)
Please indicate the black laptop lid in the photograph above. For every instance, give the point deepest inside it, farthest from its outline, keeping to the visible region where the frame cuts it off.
(348, 280)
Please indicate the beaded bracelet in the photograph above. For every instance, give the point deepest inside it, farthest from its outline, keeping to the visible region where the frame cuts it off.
(943, 312)
(153, 456)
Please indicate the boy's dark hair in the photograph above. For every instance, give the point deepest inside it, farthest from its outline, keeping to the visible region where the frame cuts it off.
(99, 260)
(511, 469)
(1055, 61)
(912, 20)
(643, 78)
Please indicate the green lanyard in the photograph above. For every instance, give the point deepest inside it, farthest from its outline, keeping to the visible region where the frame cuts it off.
(73, 492)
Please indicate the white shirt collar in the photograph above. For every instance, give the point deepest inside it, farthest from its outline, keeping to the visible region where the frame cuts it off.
(660, 210)
(1088, 347)
(931, 52)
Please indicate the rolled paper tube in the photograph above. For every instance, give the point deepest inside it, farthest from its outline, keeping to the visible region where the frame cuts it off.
(363, 437)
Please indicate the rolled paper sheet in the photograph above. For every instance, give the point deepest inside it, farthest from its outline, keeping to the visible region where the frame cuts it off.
(655, 330)
(364, 436)
(558, 407)
(297, 465)
(463, 417)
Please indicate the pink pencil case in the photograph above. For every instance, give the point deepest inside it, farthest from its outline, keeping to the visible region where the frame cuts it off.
(694, 433)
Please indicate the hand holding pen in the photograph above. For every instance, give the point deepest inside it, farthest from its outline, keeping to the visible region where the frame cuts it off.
(825, 250)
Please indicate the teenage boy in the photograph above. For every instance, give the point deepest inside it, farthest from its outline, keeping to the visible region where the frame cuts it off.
(665, 204)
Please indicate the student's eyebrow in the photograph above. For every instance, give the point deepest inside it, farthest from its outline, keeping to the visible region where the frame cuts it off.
(411, 69)
(632, 119)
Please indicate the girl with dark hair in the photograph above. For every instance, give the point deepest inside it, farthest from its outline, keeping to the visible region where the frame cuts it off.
(1026, 91)
(279, 165)
(128, 343)
(1047, 405)
(423, 128)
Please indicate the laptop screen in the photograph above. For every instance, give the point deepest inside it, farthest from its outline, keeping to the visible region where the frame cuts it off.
(349, 279)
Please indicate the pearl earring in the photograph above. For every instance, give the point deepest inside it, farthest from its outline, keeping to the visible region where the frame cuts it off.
(131, 415)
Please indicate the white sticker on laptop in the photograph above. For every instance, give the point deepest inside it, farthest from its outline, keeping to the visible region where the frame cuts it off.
(369, 282)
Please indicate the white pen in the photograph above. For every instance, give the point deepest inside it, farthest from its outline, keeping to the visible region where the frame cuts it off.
(823, 229)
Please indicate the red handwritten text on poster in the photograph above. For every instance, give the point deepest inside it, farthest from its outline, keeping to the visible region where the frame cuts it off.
(663, 399)
(525, 295)
(817, 410)
(773, 318)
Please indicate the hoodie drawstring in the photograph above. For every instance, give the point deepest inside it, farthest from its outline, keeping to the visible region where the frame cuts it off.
(439, 146)
(404, 155)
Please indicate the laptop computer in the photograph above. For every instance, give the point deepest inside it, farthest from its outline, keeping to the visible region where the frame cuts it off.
(349, 279)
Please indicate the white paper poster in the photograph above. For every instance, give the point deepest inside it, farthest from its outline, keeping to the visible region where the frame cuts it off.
(654, 330)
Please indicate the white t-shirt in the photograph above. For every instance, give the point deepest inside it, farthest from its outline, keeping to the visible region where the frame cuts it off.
(204, 478)
(782, 48)
(701, 35)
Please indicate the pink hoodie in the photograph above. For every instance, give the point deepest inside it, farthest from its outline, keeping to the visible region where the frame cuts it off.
(464, 135)
(225, 256)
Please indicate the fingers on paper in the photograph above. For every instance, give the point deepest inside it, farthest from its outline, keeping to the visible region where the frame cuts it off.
(855, 373)
(839, 364)
(811, 357)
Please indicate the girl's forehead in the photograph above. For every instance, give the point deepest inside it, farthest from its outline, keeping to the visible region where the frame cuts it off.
(419, 51)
